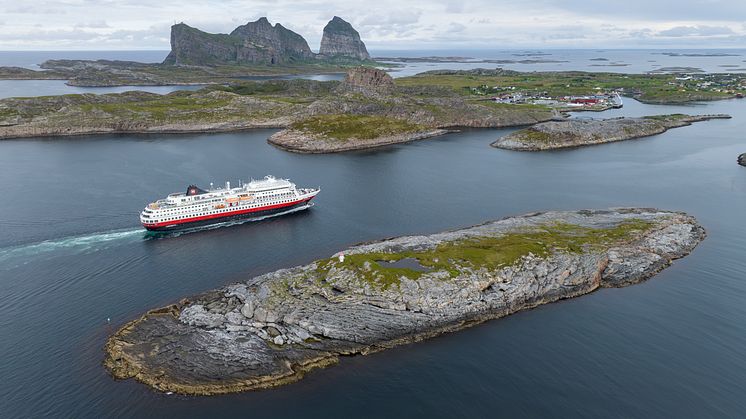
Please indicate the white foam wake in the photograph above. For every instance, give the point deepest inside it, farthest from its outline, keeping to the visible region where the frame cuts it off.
(77, 244)
(23, 254)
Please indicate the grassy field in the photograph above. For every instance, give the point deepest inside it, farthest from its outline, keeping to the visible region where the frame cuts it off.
(491, 253)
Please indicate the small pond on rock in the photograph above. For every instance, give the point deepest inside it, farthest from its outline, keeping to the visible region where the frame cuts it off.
(406, 263)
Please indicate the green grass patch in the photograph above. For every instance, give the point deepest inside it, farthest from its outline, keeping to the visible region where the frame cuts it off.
(163, 107)
(346, 126)
(490, 252)
(531, 135)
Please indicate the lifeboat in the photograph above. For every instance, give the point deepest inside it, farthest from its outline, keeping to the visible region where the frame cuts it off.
(231, 200)
(219, 206)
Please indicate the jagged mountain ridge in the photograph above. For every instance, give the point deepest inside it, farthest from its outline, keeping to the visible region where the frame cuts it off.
(260, 42)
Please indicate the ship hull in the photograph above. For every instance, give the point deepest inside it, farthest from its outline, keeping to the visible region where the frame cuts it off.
(259, 212)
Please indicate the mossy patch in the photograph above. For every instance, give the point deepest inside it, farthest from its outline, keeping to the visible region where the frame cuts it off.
(531, 135)
(347, 126)
(488, 252)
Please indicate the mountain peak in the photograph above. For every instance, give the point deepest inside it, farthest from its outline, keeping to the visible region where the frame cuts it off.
(341, 39)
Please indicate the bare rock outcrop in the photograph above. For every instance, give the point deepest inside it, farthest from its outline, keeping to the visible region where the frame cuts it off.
(367, 80)
(271, 329)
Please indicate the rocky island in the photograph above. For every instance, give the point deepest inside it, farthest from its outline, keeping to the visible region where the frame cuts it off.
(742, 159)
(271, 329)
(255, 49)
(583, 132)
(332, 133)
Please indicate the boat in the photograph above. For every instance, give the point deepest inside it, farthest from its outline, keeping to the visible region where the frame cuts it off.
(198, 207)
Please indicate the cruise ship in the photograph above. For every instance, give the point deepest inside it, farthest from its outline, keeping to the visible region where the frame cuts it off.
(197, 207)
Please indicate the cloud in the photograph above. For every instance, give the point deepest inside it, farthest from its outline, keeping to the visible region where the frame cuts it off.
(456, 6)
(35, 10)
(384, 24)
(679, 31)
(98, 24)
(402, 17)
(455, 27)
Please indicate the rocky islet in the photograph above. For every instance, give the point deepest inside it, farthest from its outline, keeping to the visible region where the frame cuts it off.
(272, 329)
(583, 132)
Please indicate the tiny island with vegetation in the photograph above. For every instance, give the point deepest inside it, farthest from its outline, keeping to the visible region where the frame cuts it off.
(583, 132)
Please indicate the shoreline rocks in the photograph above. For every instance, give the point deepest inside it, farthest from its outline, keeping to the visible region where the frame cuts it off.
(583, 132)
(272, 329)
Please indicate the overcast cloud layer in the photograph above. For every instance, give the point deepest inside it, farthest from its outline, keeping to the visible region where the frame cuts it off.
(384, 24)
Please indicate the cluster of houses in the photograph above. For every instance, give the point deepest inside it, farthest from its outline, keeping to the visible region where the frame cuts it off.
(599, 100)
(509, 94)
(719, 82)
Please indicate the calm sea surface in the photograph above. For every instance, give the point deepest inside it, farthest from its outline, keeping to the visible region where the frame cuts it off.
(72, 255)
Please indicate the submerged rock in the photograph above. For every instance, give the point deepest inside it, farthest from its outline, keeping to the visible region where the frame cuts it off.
(582, 132)
(308, 316)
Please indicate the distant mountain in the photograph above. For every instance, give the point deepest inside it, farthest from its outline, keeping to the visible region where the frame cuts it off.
(341, 39)
(260, 42)
(272, 44)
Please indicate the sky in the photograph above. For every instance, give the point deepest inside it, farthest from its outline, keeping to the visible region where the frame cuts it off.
(383, 24)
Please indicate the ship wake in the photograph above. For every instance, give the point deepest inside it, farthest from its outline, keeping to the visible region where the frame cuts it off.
(14, 256)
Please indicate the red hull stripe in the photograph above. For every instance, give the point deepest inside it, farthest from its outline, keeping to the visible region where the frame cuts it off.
(227, 214)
